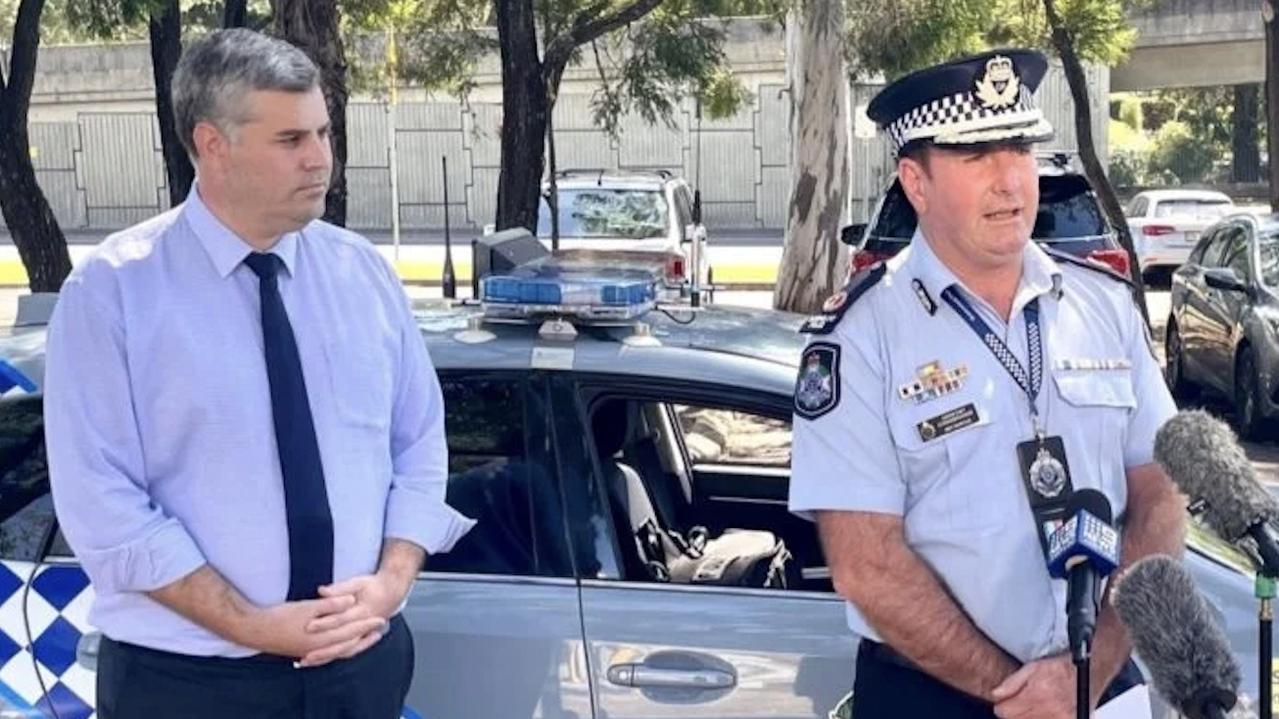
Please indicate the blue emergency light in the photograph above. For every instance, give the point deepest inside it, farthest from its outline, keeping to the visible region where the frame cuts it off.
(548, 288)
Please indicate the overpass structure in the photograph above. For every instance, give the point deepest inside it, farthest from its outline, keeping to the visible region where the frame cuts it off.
(1194, 43)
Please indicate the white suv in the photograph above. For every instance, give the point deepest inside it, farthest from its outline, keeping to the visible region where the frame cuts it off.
(619, 210)
(1166, 224)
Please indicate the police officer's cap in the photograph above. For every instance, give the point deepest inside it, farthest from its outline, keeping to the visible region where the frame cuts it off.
(977, 100)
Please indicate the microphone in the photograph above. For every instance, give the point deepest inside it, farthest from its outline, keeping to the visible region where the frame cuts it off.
(1203, 458)
(1174, 634)
(1083, 551)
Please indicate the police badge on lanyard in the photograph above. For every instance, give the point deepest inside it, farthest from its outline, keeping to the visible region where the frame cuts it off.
(1043, 459)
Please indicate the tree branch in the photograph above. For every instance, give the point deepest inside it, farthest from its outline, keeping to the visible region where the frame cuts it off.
(585, 29)
(22, 63)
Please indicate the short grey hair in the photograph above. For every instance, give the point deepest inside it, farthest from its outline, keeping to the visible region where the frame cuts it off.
(217, 72)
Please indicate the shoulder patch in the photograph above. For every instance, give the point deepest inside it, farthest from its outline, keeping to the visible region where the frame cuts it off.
(817, 387)
(1093, 265)
(837, 304)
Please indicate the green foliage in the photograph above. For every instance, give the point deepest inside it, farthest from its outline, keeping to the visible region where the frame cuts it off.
(1177, 156)
(894, 38)
(1128, 168)
(646, 67)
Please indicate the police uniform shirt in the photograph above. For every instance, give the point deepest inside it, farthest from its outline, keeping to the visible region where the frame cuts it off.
(961, 494)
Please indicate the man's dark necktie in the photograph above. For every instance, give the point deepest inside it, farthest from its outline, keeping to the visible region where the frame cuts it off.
(306, 503)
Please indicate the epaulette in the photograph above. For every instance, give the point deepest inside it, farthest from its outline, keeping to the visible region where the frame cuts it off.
(1094, 265)
(836, 305)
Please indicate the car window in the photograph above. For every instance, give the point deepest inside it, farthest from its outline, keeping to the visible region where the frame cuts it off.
(1235, 256)
(724, 436)
(1067, 209)
(1268, 249)
(1195, 209)
(499, 475)
(680, 522)
(683, 210)
(896, 218)
(604, 212)
(1216, 244)
(1138, 207)
(26, 507)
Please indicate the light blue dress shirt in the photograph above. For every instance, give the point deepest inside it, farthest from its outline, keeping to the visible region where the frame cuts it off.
(161, 445)
(961, 494)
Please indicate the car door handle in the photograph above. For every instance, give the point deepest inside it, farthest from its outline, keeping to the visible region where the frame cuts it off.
(86, 650)
(646, 677)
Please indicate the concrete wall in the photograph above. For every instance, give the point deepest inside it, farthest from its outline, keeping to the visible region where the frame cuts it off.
(1194, 43)
(96, 143)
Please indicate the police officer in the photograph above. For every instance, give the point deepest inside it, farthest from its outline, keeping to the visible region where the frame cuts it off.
(949, 402)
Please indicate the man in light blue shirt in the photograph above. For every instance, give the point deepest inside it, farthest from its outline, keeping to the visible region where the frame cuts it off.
(245, 432)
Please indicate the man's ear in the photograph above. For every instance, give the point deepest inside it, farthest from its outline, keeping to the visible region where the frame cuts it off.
(913, 175)
(211, 145)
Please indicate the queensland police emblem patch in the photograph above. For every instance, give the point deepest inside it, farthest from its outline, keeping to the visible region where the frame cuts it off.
(817, 388)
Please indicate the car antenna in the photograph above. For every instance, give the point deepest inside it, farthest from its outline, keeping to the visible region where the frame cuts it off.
(449, 281)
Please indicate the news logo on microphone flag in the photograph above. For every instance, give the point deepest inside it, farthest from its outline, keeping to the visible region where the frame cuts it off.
(1087, 537)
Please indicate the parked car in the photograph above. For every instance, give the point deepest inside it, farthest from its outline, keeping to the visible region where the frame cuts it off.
(627, 210)
(1069, 219)
(1167, 224)
(1223, 331)
(634, 555)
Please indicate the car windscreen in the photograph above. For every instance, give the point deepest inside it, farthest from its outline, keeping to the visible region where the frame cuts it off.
(1067, 210)
(1268, 250)
(1198, 209)
(602, 212)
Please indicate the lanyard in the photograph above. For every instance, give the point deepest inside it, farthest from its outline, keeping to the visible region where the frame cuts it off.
(1030, 382)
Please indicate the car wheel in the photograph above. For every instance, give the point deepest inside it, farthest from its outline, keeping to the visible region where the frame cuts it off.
(1252, 424)
(1174, 369)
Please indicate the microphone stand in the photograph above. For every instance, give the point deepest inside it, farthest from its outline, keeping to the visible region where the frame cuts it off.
(1265, 593)
(1082, 690)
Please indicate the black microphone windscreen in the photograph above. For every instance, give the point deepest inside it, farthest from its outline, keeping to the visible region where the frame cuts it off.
(1203, 458)
(1091, 501)
(1174, 633)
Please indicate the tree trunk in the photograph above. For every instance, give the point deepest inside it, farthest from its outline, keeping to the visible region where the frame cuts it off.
(1246, 162)
(526, 107)
(1272, 99)
(813, 262)
(34, 229)
(166, 48)
(313, 26)
(235, 13)
(1088, 150)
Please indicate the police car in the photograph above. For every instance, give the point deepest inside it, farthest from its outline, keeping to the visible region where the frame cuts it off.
(627, 461)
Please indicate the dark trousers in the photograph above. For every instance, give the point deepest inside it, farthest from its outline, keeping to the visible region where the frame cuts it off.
(139, 683)
(888, 686)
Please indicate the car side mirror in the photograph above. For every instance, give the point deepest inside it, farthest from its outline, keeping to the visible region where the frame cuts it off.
(851, 235)
(1224, 278)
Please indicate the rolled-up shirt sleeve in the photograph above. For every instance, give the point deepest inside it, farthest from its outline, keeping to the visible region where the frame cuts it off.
(125, 542)
(416, 510)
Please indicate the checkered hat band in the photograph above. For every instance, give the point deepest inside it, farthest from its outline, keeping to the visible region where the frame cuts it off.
(961, 112)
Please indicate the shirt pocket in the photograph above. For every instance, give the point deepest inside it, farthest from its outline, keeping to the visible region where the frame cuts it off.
(361, 380)
(1097, 389)
(946, 484)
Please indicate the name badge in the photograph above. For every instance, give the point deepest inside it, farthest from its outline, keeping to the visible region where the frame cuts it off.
(948, 422)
